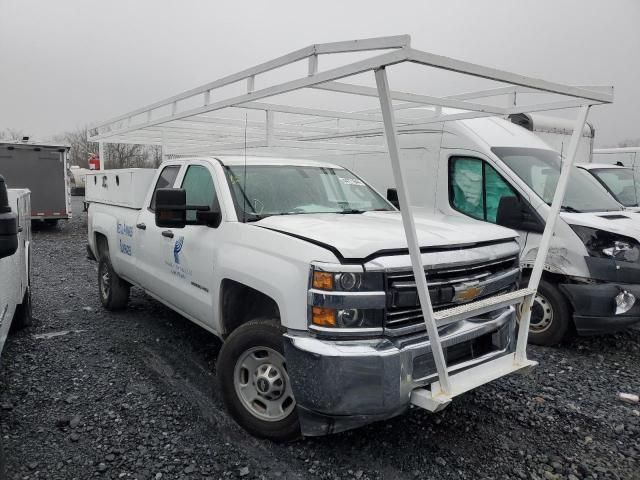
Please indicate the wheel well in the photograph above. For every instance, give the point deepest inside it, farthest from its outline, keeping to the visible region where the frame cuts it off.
(546, 275)
(240, 304)
(102, 245)
(554, 278)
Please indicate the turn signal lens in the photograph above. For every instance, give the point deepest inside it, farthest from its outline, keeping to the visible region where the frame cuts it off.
(323, 280)
(323, 317)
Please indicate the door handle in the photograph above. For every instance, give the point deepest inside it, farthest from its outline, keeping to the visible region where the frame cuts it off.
(167, 233)
(20, 228)
(141, 226)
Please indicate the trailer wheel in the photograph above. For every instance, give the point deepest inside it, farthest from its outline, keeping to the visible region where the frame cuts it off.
(550, 316)
(113, 291)
(253, 379)
(23, 317)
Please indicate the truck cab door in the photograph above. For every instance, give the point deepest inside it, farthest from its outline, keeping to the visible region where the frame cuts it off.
(191, 256)
(151, 272)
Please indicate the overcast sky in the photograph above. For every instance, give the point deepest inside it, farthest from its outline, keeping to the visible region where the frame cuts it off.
(68, 63)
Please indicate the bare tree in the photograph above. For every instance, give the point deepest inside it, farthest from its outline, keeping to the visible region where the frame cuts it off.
(629, 142)
(81, 148)
(123, 155)
(14, 134)
(154, 155)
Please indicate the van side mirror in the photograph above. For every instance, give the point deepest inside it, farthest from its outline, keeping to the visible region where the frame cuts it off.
(392, 196)
(513, 213)
(171, 207)
(8, 224)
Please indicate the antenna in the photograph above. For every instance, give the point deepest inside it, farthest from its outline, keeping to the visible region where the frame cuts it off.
(244, 181)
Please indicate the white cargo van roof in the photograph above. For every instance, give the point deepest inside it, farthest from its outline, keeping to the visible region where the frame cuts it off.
(253, 160)
(497, 132)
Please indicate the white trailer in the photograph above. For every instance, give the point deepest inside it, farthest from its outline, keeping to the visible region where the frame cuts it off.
(41, 168)
(556, 132)
(275, 120)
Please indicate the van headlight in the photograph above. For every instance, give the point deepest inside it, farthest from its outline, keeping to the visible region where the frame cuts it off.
(603, 244)
(351, 301)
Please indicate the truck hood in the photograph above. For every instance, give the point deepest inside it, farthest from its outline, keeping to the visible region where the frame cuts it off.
(357, 236)
(624, 222)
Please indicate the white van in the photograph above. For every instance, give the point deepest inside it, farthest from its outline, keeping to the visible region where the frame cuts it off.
(618, 180)
(493, 170)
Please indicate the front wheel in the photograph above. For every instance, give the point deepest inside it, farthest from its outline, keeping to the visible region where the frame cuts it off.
(550, 316)
(114, 291)
(255, 385)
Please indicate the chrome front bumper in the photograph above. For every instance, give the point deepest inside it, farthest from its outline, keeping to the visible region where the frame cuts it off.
(343, 384)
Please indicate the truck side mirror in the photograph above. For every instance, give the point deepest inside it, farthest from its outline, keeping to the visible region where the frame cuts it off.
(512, 213)
(171, 207)
(8, 224)
(392, 196)
(210, 218)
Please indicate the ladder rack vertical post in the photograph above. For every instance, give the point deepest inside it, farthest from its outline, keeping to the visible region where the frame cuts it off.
(545, 242)
(313, 64)
(102, 156)
(386, 104)
(163, 148)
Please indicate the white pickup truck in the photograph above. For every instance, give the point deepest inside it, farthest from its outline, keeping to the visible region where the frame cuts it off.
(15, 243)
(303, 270)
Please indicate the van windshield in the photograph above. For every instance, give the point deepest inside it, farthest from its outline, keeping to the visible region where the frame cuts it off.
(260, 191)
(620, 183)
(540, 170)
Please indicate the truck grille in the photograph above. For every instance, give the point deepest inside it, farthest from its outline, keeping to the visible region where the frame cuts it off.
(447, 288)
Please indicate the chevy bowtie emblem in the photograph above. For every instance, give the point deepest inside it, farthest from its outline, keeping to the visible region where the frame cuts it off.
(466, 294)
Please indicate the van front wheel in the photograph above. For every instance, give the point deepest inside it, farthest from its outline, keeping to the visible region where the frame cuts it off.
(550, 316)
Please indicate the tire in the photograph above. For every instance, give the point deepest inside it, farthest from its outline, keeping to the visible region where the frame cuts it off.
(550, 316)
(251, 364)
(113, 291)
(23, 317)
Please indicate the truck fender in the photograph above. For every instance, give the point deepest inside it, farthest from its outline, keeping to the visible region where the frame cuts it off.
(270, 275)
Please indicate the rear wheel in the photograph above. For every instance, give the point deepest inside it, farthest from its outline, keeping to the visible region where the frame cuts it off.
(550, 316)
(114, 291)
(23, 317)
(255, 385)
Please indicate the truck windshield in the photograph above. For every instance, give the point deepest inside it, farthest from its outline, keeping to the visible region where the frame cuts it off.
(620, 183)
(540, 170)
(260, 191)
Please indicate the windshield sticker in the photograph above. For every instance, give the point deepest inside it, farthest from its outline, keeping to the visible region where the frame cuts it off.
(258, 206)
(351, 181)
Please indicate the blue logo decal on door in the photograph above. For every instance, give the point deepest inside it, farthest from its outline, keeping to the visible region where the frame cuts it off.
(177, 248)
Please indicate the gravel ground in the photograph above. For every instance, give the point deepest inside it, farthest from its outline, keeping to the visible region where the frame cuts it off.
(133, 395)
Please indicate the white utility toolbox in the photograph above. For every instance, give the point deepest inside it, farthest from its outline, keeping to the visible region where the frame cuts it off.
(125, 188)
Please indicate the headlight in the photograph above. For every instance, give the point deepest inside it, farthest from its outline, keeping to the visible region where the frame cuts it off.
(603, 244)
(346, 317)
(346, 300)
(348, 281)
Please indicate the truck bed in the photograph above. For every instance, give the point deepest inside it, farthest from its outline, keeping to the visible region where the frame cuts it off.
(122, 187)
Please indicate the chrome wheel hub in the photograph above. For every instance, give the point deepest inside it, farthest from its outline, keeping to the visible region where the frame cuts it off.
(105, 282)
(262, 384)
(541, 314)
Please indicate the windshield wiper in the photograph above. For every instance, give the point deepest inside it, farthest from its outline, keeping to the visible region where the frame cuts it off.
(352, 211)
(566, 208)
